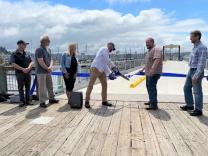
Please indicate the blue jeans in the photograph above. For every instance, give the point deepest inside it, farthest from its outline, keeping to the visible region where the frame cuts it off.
(151, 84)
(197, 91)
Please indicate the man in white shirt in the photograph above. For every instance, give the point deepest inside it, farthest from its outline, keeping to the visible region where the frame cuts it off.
(100, 68)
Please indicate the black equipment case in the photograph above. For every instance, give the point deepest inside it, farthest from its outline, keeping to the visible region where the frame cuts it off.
(76, 100)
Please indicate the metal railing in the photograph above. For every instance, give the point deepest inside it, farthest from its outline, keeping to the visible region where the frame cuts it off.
(11, 84)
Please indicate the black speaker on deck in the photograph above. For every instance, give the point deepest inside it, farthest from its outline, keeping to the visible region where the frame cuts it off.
(76, 100)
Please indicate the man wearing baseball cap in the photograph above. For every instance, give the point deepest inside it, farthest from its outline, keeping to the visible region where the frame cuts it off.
(100, 68)
(22, 63)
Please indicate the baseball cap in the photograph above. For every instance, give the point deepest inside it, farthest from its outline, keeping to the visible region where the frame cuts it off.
(22, 42)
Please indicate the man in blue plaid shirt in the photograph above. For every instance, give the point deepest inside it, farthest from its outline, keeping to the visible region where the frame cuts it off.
(195, 75)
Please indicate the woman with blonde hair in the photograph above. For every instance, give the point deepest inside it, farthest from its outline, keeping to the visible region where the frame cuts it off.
(69, 65)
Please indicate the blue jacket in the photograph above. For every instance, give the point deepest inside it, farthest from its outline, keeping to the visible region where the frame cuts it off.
(66, 62)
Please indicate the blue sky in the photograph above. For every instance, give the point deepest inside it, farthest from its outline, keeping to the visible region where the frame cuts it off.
(182, 8)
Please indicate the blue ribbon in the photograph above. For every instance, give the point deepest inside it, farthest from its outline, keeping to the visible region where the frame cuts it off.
(164, 74)
(32, 90)
(84, 75)
(87, 75)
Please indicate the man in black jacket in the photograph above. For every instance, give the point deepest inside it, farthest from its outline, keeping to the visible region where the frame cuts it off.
(22, 63)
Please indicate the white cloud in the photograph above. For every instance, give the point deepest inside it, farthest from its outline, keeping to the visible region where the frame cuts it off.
(29, 20)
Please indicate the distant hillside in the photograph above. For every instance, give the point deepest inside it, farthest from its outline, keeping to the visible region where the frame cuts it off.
(4, 50)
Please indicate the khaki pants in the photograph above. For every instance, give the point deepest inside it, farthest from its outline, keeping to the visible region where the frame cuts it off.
(45, 87)
(93, 77)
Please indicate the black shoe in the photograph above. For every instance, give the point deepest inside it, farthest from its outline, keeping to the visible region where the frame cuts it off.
(29, 104)
(152, 108)
(196, 112)
(22, 104)
(52, 101)
(146, 103)
(187, 108)
(87, 104)
(43, 105)
(107, 104)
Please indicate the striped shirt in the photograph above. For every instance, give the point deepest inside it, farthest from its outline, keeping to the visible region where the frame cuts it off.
(198, 58)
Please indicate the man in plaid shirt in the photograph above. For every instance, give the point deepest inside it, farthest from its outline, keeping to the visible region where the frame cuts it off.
(195, 75)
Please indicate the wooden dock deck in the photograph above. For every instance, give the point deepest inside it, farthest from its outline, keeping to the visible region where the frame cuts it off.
(127, 129)
(123, 130)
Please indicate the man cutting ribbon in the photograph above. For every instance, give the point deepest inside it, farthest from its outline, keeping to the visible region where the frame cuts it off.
(100, 68)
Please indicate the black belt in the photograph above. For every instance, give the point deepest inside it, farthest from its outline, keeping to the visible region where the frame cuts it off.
(193, 68)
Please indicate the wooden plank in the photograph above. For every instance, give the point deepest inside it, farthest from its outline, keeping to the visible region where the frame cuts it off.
(50, 137)
(18, 116)
(15, 135)
(124, 138)
(13, 111)
(29, 145)
(121, 130)
(88, 121)
(137, 137)
(182, 130)
(46, 139)
(6, 106)
(166, 145)
(92, 143)
(194, 137)
(15, 144)
(206, 106)
(23, 119)
(151, 142)
(111, 141)
(63, 135)
(16, 128)
(181, 146)
(200, 122)
(24, 144)
(13, 114)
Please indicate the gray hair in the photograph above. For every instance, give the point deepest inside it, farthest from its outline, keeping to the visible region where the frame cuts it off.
(44, 38)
